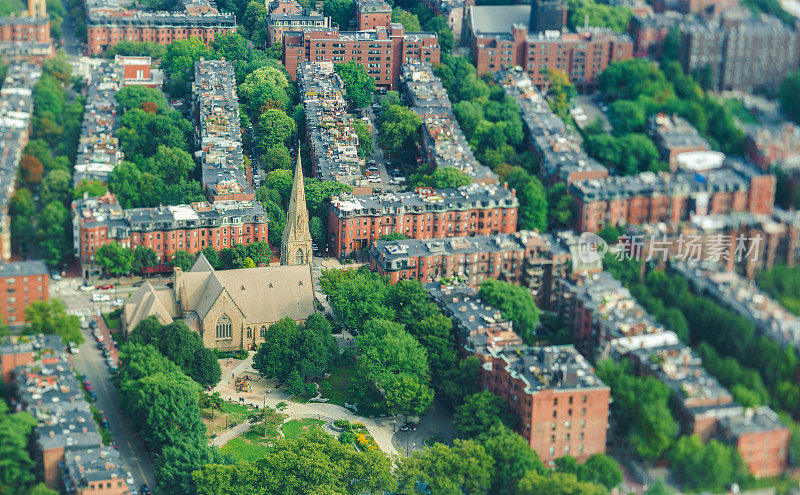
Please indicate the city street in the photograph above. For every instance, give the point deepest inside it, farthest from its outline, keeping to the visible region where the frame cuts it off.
(89, 361)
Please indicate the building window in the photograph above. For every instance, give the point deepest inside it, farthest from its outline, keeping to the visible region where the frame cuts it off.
(224, 327)
(298, 259)
(263, 331)
(249, 332)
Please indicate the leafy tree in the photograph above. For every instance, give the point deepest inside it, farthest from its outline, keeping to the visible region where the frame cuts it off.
(178, 461)
(131, 97)
(532, 199)
(31, 169)
(56, 186)
(114, 259)
(340, 12)
(534, 483)
(358, 85)
(21, 209)
(274, 128)
(364, 137)
(394, 236)
(318, 232)
(309, 350)
(356, 297)
(141, 134)
(789, 96)
(600, 469)
(17, 468)
(441, 178)
(561, 92)
(559, 207)
(398, 127)
(463, 468)
(479, 413)
(178, 63)
(259, 252)
(627, 116)
(455, 384)
(135, 48)
(512, 456)
(53, 233)
(90, 188)
(515, 303)
(50, 317)
(182, 259)
(408, 395)
(266, 87)
(277, 157)
(712, 466)
(143, 258)
(409, 21)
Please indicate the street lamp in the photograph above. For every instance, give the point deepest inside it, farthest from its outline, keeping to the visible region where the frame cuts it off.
(226, 421)
(265, 400)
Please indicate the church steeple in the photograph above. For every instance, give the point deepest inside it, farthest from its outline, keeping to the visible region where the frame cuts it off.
(296, 242)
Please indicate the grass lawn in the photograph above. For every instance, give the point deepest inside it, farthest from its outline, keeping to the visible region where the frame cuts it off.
(236, 414)
(340, 390)
(245, 448)
(293, 428)
(112, 322)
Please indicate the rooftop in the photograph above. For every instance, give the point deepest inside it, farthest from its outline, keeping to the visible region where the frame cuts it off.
(22, 268)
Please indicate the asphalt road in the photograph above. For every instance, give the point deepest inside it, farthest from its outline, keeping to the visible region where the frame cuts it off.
(133, 456)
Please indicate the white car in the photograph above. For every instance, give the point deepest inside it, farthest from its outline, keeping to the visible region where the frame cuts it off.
(73, 349)
(87, 288)
(119, 302)
(100, 297)
(129, 479)
(84, 323)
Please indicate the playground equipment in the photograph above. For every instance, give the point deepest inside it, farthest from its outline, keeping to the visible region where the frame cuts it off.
(242, 383)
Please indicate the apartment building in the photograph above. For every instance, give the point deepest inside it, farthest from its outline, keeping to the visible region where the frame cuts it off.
(443, 142)
(768, 146)
(332, 140)
(381, 50)
(558, 148)
(649, 31)
(215, 110)
(138, 71)
(673, 136)
(21, 283)
(455, 13)
(741, 51)
(108, 23)
(43, 383)
(98, 148)
(164, 229)
(288, 15)
(510, 35)
(532, 260)
(672, 197)
(16, 108)
(371, 14)
(354, 222)
(561, 404)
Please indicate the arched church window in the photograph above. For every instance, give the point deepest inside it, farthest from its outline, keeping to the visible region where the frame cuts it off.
(224, 327)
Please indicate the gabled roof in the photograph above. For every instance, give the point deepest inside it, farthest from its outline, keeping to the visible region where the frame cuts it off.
(201, 264)
(148, 300)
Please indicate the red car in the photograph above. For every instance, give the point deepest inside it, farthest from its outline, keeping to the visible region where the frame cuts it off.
(105, 286)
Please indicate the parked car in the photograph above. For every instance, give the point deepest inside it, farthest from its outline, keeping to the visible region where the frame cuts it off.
(129, 480)
(93, 325)
(104, 423)
(100, 297)
(105, 286)
(92, 395)
(408, 426)
(139, 283)
(87, 287)
(99, 337)
(73, 349)
(84, 323)
(119, 302)
(144, 489)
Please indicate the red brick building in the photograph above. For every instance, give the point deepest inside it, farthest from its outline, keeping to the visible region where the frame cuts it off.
(288, 15)
(355, 222)
(164, 229)
(500, 37)
(671, 198)
(561, 405)
(372, 14)
(761, 439)
(766, 146)
(21, 283)
(381, 51)
(106, 26)
(533, 260)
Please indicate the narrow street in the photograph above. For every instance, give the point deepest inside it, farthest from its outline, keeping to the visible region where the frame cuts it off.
(89, 361)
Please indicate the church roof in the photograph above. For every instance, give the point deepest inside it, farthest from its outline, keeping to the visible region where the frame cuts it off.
(201, 264)
(296, 228)
(146, 301)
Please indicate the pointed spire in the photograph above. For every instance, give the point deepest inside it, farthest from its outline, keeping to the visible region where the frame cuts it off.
(296, 241)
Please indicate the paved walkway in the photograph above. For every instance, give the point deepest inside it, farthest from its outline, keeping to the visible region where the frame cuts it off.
(382, 429)
(230, 434)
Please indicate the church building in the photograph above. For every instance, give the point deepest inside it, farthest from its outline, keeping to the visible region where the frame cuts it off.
(296, 242)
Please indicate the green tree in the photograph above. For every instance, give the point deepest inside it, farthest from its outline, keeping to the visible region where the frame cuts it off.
(53, 233)
(182, 259)
(21, 208)
(627, 116)
(340, 12)
(266, 87)
(274, 128)
(789, 96)
(114, 259)
(561, 92)
(178, 63)
(16, 468)
(277, 157)
(175, 466)
(532, 199)
(479, 413)
(602, 470)
(143, 258)
(463, 468)
(515, 303)
(534, 483)
(441, 178)
(559, 207)
(90, 188)
(409, 21)
(398, 127)
(50, 317)
(455, 384)
(408, 395)
(512, 456)
(309, 350)
(318, 233)
(131, 97)
(712, 466)
(358, 85)
(364, 137)
(56, 186)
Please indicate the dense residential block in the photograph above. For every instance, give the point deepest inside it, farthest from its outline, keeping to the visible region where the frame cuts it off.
(108, 23)
(674, 135)
(443, 143)
(164, 229)
(354, 222)
(561, 405)
(532, 260)
(739, 50)
(371, 14)
(332, 140)
(672, 197)
(16, 108)
(455, 13)
(507, 36)
(21, 283)
(218, 134)
(773, 146)
(67, 446)
(558, 148)
(381, 50)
